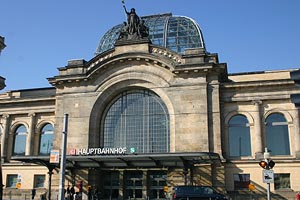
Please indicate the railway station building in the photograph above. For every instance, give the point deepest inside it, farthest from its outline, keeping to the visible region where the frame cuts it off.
(148, 113)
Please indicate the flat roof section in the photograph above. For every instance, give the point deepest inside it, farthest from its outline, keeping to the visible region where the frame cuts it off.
(128, 160)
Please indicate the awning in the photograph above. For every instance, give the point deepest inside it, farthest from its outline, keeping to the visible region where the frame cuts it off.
(129, 160)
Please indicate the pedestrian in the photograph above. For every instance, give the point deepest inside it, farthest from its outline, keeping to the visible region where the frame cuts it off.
(72, 192)
(90, 192)
(68, 192)
(298, 196)
(33, 193)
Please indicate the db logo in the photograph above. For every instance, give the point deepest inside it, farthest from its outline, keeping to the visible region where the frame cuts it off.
(72, 152)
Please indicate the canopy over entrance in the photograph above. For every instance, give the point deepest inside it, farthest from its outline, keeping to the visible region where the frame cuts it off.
(128, 160)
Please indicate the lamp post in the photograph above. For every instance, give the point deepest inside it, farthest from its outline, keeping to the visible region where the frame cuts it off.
(63, 158)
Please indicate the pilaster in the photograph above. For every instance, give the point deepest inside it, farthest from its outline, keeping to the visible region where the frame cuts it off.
(4, 136)
(29, 141)
(297, 132)
(258, 147)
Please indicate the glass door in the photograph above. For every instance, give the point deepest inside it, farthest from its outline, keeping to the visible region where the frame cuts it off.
(111, 185)
(133, 185)
(157, 180)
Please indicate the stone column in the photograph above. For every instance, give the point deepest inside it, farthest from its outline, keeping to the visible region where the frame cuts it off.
(4, 136)
(29, 140)
(297, 132)
(214, 117)
(258, 145)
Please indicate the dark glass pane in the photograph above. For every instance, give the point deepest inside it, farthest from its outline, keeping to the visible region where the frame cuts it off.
(239, 137)
(282, 181)
(275, 118)
(238, 120)
(114, 193)
(277, 130)
(11, 181)
(275, 134)
(46, 140)
(241, 181)
(20, 140)
(39, 181)
(138, 193)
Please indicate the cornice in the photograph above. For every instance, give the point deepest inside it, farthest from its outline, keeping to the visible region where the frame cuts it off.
(194, 61)
(260, 83)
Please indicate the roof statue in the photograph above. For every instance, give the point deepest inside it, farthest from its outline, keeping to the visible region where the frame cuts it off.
(2, 44)
(134, 29)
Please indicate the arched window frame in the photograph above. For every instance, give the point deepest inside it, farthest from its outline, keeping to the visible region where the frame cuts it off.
(123, 94)
(245, 149)
(285, 148)
(49, 140)
(19, 137)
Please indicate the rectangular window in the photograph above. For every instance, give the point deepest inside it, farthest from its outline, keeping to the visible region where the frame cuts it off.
(39, 181)
(241, 181)
(11, 180)
(111, 184)
(282, 181)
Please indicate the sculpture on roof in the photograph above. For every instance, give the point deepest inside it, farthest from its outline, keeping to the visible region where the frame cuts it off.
(134, 28)
(133, 20)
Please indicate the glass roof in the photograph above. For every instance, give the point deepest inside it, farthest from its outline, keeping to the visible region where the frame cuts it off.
(176, 33)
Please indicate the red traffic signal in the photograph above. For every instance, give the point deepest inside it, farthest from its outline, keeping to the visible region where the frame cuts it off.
(269, 164)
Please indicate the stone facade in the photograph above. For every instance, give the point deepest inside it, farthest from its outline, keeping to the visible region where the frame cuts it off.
(200, 96)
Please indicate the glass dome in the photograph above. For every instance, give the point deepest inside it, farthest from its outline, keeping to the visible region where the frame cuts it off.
(176, 33)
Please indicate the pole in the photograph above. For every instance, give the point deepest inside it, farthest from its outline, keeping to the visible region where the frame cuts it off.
(267, 157)
(63, 158)
(268, 191)
(49, 183)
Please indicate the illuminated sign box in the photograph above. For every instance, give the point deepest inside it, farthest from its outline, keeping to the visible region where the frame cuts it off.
(98, 151)
(54, 156)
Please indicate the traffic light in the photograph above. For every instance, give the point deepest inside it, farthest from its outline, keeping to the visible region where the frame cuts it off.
(263, 164)
(267, 164)
(271, 164)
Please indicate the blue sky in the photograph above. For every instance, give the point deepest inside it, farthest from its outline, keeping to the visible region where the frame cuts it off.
(248, 35)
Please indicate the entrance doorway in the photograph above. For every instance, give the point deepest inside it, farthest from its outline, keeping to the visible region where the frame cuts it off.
(157, 180)
(111, 185)
(134, 184)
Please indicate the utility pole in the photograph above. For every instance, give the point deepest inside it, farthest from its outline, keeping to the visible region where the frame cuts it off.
(63, 159)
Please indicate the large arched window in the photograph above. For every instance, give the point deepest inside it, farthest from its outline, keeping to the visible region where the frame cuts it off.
(20, 136)
(137, 120)
(239, 137)
(277, 135)
(46, 139)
